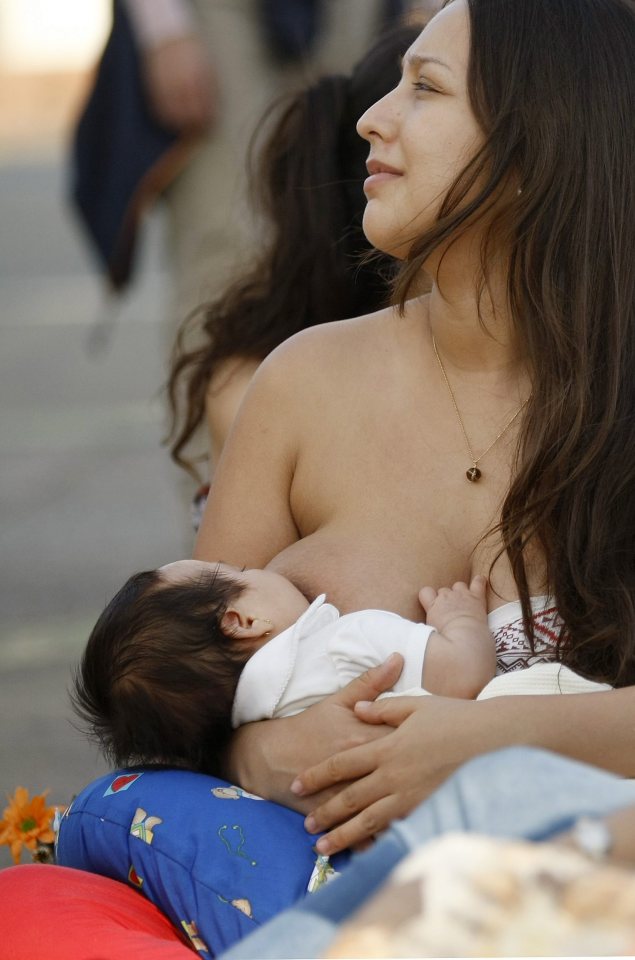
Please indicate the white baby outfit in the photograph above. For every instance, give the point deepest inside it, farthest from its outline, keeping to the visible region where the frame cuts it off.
(323, 651)
(319, 654)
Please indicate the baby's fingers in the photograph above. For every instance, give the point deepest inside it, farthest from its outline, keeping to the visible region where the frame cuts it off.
(427, 596)
(478, 586)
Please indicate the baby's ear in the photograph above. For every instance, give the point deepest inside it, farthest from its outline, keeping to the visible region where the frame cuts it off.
(235, 624)
(231, 623)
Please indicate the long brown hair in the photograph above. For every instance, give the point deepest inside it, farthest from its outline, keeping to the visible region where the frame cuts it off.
(553, 86)
(306, 182)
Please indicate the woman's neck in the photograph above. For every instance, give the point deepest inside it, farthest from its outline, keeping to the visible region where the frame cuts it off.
(471, 322)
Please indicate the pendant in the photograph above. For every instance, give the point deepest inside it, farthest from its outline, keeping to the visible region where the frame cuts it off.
(473, 474)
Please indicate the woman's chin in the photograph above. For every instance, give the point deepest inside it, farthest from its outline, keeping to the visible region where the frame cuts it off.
(386, 233)
(384, 240)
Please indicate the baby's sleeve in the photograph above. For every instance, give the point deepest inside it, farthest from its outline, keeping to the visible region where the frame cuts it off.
(365, 639)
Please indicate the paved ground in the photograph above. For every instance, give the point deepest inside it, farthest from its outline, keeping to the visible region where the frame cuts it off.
(87, 493)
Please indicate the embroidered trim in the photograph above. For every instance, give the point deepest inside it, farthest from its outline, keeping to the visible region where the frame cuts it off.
(513, 651)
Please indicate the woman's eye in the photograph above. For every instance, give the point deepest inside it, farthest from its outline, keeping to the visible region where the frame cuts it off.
(422, 85)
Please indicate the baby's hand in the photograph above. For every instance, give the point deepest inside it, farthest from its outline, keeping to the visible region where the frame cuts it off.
(446, 604)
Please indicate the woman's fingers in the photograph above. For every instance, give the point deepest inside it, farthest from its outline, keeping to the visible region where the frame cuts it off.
(361, 828)
(348, 765)
(370, 684)
(386, 779)
(349, 802)
(359, 760)
(392, 711)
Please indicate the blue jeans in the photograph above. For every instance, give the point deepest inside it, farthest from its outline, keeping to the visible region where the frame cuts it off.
(517, 793)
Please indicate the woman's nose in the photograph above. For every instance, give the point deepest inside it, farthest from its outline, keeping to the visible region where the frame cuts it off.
(377, 121)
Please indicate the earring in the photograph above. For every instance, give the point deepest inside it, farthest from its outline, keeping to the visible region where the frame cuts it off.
(267, 633)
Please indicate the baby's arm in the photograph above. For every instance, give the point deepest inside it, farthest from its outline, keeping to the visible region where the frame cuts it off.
(460, 657)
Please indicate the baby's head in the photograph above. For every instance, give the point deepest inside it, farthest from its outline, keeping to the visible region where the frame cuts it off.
(158, 676)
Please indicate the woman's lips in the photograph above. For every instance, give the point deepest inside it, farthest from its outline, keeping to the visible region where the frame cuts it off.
(379, 173)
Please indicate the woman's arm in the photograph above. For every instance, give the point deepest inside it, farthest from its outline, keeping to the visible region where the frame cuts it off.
(248, 518)
(255, 498)
(385, 780)
(265, 757)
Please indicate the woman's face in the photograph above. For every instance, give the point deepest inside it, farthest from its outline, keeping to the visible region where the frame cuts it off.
(421, 134)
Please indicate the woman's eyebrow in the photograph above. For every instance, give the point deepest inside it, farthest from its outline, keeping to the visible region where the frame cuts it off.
(415, 61)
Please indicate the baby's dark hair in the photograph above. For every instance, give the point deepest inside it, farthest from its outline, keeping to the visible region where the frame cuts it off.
(157, 679)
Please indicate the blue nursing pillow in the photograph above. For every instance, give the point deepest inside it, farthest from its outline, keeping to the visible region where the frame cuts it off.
(216, 860)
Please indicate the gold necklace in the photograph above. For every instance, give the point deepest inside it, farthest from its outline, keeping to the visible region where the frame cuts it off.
(473, 474)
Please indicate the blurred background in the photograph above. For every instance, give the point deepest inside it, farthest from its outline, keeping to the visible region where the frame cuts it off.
(87, 492)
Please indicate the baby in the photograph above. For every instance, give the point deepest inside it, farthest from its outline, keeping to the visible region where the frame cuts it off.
(184, 654)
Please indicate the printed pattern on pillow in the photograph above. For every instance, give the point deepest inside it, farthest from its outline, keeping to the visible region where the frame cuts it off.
(218, 861)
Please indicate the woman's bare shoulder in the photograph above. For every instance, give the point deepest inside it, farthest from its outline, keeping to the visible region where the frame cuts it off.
(341, 357)
(332, 345)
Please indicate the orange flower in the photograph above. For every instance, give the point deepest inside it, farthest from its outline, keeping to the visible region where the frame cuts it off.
(26, 822)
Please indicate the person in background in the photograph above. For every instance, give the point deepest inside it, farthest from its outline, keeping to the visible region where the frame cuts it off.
(211, 69)
(306, 174)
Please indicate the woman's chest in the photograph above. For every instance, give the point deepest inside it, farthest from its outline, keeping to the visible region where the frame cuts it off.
(372, 559)
(379, 493)
(378, 522)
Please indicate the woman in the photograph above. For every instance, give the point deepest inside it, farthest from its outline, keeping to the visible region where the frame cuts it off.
(504, 170)
(485, 428)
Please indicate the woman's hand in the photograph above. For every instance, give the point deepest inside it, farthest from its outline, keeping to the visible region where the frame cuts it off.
(385, 779)
(265, 757)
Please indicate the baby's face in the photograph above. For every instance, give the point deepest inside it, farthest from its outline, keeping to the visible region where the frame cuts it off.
(267, 595)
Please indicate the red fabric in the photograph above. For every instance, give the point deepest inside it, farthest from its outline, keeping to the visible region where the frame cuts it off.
(56, 913)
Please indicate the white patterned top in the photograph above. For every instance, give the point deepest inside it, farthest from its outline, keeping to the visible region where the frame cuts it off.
(513, 651)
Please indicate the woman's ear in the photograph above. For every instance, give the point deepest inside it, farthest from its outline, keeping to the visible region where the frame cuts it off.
(236, 624)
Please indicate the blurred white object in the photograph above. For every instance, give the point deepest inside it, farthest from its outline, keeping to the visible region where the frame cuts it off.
(471, 896)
